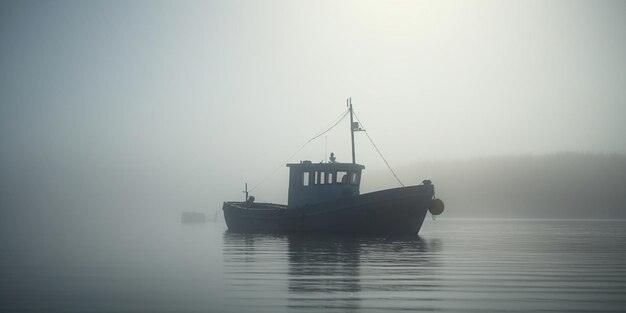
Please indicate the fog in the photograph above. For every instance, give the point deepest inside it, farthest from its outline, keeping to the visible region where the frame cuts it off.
(117, 116)
(116, 107)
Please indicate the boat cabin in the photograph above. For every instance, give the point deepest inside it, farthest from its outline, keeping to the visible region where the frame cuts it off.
(313, 183)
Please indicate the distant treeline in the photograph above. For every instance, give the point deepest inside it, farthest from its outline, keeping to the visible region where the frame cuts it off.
(562, 185)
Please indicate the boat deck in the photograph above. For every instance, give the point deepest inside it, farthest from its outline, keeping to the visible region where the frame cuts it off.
(258, 206)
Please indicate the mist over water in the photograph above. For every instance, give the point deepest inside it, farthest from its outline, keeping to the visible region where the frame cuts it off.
(455, 265)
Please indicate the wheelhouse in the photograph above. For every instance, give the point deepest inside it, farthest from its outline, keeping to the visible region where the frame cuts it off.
(313, 183)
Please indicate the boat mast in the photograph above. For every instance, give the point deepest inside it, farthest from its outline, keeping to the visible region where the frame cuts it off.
(351, 128)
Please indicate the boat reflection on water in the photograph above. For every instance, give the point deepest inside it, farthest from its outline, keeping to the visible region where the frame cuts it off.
(305, 272)
(324, 272)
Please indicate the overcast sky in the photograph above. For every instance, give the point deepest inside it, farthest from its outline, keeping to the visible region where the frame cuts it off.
(230, 89)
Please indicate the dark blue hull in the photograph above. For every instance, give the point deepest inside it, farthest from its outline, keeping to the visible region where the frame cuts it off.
(393, 211)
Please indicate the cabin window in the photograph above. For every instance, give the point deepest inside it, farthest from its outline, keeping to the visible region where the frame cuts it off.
(319, 177)
(329, 178)
(342, 177)
(322, 178)
(305, 178)
(354, 178)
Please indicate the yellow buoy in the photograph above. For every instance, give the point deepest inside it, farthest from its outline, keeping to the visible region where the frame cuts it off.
(436, 207)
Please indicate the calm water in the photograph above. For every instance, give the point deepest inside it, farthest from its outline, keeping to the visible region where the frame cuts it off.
(460, 265)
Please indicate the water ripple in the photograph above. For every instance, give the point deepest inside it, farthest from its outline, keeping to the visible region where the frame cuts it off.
(455, 266)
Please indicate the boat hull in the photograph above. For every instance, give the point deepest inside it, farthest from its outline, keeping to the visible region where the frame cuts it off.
(393, 211)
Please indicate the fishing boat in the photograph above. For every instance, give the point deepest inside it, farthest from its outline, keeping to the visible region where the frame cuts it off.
(325, 198)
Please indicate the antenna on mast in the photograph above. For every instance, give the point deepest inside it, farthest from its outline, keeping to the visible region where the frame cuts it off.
(351, 129)
(354, 127)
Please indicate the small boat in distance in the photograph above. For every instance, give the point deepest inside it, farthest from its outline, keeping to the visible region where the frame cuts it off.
(325, 198)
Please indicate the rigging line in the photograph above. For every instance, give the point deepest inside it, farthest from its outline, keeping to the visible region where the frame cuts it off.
(377, 150)
(340, 119)
(342, 116)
